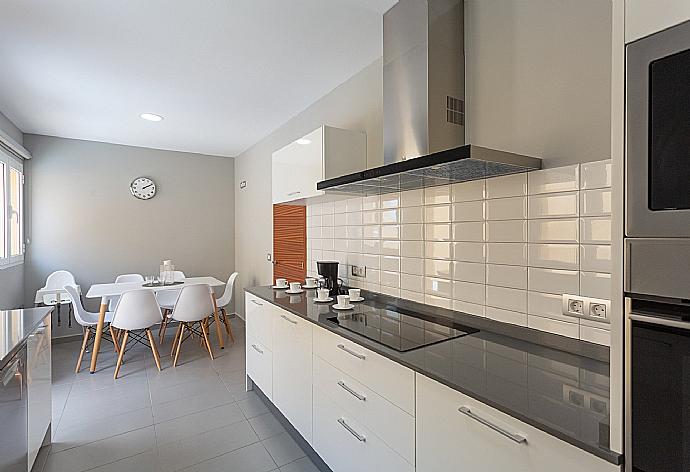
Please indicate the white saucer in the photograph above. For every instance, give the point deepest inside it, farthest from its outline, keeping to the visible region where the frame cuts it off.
(310, 287)
(348, 307)
(323, 300)
(355, 300)
(293, 293)
(275, 287)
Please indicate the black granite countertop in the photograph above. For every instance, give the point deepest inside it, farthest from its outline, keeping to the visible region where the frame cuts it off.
(556, 384)
(15, 328)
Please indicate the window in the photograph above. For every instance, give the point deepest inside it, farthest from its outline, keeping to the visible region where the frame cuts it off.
(12, 205)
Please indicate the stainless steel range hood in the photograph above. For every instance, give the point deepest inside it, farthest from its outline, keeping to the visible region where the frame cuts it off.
(424, 107)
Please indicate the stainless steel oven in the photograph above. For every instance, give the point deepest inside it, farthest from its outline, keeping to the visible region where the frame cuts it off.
(658, 135)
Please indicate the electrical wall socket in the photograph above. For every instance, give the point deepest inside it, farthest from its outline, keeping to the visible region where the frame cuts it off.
(588, 308)
(359, 271)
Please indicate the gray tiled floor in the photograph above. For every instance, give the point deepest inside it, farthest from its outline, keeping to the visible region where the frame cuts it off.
(193, 417)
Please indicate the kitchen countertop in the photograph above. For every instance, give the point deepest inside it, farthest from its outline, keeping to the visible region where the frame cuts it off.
(15, 328)
(556, 384)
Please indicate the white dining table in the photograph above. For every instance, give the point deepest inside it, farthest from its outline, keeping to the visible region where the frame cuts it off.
(107, 291)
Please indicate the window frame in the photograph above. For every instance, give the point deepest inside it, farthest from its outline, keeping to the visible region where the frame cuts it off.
(10, 162)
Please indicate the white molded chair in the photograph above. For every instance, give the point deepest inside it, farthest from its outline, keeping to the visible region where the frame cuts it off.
(193, 307)
(136, 312)
(89, 322)
(123, 279)
(58, 280)
(223, 302)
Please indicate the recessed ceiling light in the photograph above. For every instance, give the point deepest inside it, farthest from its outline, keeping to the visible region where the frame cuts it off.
(150, 117)
(303, 141)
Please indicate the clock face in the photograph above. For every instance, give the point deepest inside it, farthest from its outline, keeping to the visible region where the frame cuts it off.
(143, 188)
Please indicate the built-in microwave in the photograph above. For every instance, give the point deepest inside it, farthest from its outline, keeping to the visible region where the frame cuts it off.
(658, 135)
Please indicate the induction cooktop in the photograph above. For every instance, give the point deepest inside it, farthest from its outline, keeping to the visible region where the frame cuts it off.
(394, 328)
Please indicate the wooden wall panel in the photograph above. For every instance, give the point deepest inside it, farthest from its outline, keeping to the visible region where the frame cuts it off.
(290, 242)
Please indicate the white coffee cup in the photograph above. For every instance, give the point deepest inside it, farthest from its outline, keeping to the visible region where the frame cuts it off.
(354, 293)
(281, 282)
(310, 282)
(343, 300)
(295, 286)
(322, 293)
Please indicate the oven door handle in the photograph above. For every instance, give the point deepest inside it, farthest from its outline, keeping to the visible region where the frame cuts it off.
(660, 321)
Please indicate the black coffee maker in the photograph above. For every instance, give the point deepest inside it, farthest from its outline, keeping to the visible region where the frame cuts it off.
(329, 271)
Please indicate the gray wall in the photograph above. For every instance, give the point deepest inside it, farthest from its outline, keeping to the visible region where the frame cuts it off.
(539, 78)
(84, 219)
(11, 279)
(356, 104)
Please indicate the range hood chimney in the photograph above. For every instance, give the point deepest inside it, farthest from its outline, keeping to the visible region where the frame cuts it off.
(424, 107)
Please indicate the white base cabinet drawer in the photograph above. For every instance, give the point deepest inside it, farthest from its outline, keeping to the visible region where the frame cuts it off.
(259, 315)
(478, 439)
(259, 360)
(346, 445)
(391, 424)
(389, 379)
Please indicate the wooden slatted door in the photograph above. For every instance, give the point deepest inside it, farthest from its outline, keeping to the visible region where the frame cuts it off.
(290, 242)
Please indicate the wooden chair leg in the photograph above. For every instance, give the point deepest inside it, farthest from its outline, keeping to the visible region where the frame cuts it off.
(228, 325)
(163, 328)
(115, 335)
(204, 329)
(121, 355)
(180, 336)
(154, 349)
(87, 333)
(177, 335)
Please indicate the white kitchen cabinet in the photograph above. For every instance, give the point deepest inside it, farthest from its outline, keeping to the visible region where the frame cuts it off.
(448, 439)
(324, 153)
(259, 316)
(645, 17)
(292, 370)
(39, 384)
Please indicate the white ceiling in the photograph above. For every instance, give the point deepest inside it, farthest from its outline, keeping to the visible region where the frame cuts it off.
(223, 73)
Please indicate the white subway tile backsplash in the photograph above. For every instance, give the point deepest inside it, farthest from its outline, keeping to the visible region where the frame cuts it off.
(468, 191)
(437, 268)
(506, 276)
(469, 272)
(595, 202)
(555, 281)
(506, 253)
(553, 256)
(435, 195)
(595, 230)
(438, 250)
(506, 186)
(468, 211)
(437, 232)
(473, 231)
(554, 231)
(596, 174)
(412, 265)
(505, 248)
(512, 231)
(513, 208)
(506, 298)
(595, 258)
(595, 285)
(558, 179)
(554, 205)
(468, 252)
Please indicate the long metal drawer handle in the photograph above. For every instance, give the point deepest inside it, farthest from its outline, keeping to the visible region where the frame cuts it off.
(350, 351)
(660, 321)
(359, 396)
(288, 319)
(294, 193)
(257, 303)
(257, 349)
(352, 431)
(512, 436)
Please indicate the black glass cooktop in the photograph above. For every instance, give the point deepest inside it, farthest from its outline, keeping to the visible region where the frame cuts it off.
(393, 328)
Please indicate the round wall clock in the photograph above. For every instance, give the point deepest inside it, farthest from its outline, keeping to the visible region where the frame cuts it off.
(143, 188)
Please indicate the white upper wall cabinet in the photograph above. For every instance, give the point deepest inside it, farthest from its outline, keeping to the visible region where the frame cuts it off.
(645, 17)
(324, 153)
